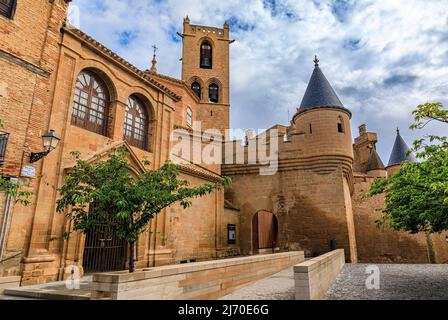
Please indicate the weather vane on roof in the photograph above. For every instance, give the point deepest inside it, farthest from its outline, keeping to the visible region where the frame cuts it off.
(316, 61)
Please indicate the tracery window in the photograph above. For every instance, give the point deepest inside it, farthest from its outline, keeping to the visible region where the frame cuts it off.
(136, 123)
(91, 103)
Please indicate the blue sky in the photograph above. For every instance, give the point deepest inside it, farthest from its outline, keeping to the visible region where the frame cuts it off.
(383, 58)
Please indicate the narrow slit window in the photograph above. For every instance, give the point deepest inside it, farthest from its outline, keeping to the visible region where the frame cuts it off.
(341, 126)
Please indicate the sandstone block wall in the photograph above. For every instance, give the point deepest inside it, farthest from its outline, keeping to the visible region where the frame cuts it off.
(314, 277)
(9, 282)
(377, 245)
(310, 208)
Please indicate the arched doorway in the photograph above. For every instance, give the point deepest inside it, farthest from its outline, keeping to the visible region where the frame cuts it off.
(264, 232)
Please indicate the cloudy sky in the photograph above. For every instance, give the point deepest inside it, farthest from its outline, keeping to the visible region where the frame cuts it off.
(383, 58)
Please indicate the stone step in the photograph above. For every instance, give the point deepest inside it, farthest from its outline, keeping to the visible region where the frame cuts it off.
(51, 291)
(5, 297)
(44, 294)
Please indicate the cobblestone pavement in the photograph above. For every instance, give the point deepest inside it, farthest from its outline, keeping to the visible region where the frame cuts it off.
(397, 282)
(279, 286)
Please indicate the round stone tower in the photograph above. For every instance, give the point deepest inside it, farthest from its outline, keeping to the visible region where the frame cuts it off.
(322, 125)
(321, 135)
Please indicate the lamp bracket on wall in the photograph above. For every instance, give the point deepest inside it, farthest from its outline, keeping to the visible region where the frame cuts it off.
(34, 157)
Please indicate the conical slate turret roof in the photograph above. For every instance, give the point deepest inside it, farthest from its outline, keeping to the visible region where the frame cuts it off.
(320, 93)
(375, 162)
(400, 152)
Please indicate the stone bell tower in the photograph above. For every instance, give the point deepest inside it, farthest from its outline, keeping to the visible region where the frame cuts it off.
(205, 68)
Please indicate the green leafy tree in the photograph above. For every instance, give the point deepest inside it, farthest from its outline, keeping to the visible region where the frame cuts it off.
(105, 192)
(416, 197)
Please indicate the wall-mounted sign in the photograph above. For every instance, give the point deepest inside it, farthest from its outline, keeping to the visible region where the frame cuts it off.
(28, 171)
(231, 234)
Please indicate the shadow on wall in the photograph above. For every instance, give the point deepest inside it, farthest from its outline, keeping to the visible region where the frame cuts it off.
(315, 230)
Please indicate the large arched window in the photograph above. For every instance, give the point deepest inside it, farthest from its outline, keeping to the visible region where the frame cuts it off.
(206, 55)
(136, 123)
(91, 103)
(196, 87)
(7, 8)
(213, 93)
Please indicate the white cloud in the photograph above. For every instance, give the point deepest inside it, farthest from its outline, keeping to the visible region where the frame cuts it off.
(382, 57)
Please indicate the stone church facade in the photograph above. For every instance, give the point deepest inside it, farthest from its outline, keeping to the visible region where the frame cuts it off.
(55, 77)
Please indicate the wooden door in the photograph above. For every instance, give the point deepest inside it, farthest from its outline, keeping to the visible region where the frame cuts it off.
(267, 230)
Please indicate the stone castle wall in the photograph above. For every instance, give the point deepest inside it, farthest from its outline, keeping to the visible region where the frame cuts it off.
(377, 245)
(310, 209)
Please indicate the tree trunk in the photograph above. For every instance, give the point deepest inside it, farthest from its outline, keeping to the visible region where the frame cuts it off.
(132, 253)
(430, 245)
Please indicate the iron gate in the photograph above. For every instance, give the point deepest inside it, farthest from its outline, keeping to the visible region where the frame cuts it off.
(103, 252)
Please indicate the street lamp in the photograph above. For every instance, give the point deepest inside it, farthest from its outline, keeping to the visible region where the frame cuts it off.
(50, 141)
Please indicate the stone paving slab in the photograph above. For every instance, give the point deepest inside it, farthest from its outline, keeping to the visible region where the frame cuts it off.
(397, 282)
